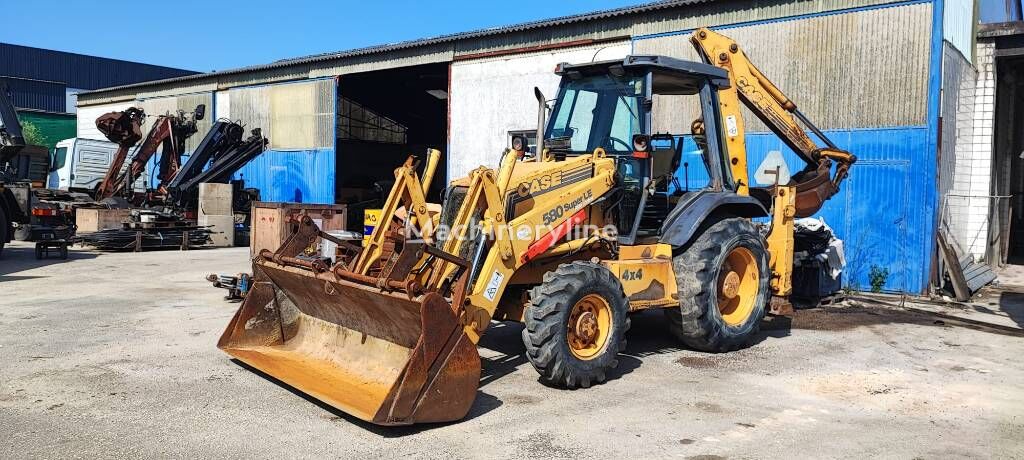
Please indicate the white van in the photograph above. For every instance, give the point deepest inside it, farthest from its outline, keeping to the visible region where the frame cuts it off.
(80, 164)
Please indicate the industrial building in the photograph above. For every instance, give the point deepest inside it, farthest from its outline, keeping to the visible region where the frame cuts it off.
(881, 78)
(43, 84)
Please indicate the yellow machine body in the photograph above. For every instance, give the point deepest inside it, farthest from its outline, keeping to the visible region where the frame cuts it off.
(388, 332)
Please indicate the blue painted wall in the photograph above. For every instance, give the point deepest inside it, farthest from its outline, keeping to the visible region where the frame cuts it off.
(886, 210)
(300, 176)
(880, 212)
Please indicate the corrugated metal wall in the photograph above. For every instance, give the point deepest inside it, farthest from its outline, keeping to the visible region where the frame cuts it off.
(302, 115)
(843, 70)
(686, 17)
(958, 25)
(836, 67)
(186, 102)
(624, 26)
(298, 118)
(47, 96)
(77, 70)
(877, 213)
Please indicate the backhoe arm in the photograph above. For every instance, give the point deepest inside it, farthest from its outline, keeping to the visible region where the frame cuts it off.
(816, 183)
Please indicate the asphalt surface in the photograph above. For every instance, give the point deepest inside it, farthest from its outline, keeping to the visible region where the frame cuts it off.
(113, 355)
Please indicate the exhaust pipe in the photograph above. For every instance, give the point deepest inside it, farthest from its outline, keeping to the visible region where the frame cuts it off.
(542, 111)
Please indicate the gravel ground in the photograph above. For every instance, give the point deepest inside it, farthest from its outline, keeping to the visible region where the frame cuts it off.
(113, 355)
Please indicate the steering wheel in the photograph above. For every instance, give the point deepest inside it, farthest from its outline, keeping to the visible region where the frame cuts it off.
(614, 140)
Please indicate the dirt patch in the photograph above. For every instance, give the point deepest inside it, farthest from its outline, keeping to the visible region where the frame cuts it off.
(541, 444)
(709, 407)
(522, 399)
(698, 362)
(850, 317)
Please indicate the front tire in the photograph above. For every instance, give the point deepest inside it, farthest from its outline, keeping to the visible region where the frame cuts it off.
(723, 281)
(575, 324)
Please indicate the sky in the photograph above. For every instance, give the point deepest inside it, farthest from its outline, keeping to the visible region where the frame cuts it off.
(223, 34)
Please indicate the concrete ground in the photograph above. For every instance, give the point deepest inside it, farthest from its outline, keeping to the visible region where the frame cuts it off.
(113, 355)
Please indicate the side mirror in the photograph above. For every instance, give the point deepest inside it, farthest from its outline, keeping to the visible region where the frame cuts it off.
(200, 112)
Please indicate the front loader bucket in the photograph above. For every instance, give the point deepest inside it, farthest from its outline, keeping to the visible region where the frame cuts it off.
(382, 357)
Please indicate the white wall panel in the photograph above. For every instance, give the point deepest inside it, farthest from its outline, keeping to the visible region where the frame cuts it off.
(490, 97)
(86, 118)
(958, 25)
(157, 106)
(222, 105)
(293, 116)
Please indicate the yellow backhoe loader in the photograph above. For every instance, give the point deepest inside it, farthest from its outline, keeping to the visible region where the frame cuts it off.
(595, 226)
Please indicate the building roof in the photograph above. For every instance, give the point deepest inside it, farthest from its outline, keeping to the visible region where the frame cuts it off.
(1001, 29)
(441, 39)
(78, 71)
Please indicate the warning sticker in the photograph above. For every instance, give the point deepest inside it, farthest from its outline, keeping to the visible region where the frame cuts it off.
(493, 285)
(730, 126)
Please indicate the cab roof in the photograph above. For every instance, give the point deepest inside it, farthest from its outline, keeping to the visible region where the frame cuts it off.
(670, 75)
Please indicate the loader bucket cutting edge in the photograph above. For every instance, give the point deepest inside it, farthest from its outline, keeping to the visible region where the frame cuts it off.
(381, 357)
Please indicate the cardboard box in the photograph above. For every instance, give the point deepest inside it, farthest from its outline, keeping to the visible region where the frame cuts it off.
(273, 222)
(94, 220)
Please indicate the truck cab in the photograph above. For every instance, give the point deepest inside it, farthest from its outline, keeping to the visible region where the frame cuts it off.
(79, 164)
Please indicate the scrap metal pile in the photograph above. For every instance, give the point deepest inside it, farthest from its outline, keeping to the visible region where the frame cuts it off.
(132, 239)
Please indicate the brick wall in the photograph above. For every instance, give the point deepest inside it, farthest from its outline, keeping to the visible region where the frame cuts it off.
(967, 198)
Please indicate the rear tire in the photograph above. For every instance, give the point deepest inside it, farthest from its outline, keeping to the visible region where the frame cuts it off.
(575, 325)
(722, 297)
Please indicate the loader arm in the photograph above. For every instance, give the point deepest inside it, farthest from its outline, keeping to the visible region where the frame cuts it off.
(817, 182)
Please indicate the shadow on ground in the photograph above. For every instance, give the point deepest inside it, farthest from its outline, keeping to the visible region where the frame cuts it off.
(1012, 303)
(483, 404)
(648, 336)
(23, 257)
(862, 311)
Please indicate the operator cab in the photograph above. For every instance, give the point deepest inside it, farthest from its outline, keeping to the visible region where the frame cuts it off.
(647, 113)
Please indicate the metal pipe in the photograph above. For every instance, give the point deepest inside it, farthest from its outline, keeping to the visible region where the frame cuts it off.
(542, 107)
(433, 156)
(814, 129)
(475, 269)
(508, 163)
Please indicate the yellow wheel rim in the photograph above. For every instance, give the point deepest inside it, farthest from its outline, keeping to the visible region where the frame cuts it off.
(589, 325)
(738, 283)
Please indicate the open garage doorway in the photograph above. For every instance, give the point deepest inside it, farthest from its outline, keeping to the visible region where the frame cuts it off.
(383, 117)
(1006, 232)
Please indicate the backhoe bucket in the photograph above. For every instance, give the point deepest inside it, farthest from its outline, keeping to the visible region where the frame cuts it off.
(383, 357)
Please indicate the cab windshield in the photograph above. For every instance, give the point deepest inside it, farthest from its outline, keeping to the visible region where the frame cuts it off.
(597, 111)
